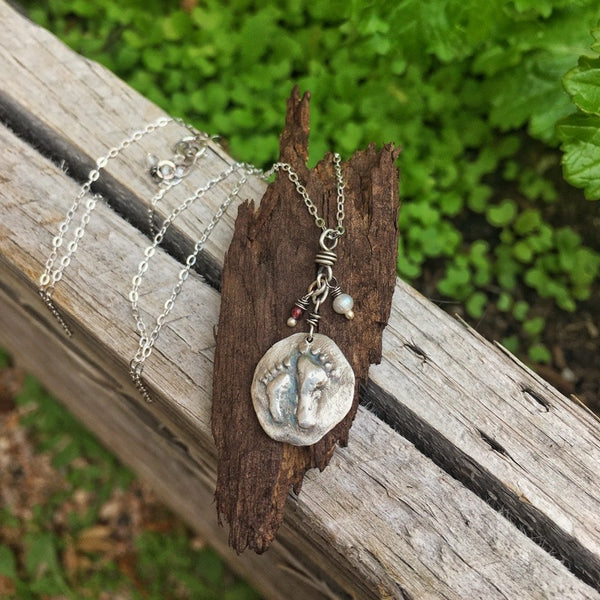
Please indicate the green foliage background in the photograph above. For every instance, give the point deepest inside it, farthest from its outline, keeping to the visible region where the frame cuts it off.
(471, 90)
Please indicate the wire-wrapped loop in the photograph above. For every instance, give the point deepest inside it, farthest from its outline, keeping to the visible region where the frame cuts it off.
(313, 319)
(326, 258)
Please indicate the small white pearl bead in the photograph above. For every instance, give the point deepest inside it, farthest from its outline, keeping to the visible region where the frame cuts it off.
(343, 303)
(349, 315)
(291, 322)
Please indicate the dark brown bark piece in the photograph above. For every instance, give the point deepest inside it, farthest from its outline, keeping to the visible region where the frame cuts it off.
(269, 264)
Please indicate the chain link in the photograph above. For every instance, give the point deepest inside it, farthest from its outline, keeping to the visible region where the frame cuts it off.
(310, 205)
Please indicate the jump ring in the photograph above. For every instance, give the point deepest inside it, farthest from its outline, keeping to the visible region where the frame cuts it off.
(332, 236)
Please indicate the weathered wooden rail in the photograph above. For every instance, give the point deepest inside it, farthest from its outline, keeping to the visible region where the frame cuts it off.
(467, 476)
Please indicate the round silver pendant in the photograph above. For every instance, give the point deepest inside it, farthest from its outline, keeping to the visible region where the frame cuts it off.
(301, 390)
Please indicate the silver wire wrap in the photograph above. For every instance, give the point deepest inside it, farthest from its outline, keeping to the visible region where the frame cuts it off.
(303, 302)
(325, 258)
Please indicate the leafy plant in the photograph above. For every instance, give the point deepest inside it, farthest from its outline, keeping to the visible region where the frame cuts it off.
(472, 91)
(580, 131)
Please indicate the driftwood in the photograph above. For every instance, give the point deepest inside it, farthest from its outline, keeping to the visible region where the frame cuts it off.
(503, 475)
(269, 264)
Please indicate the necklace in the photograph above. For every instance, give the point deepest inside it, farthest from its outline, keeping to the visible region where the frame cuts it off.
(168, 174)
(303, 385)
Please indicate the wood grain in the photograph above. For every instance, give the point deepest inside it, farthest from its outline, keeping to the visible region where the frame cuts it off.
(495, 425)
(269, 264)
(491, 423)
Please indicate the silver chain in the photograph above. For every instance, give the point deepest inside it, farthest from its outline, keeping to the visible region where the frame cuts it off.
(168, 173)
(323, 284)
(312, 209)
(147, 341)
(53, 274)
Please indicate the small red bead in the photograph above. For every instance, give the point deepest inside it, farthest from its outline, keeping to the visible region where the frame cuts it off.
(297, 312)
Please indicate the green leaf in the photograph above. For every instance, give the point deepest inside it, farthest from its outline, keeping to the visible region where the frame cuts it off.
(336, 10)
(539, 353)
(350, 137)
(579, 127)
(134, 39)
(255, 36)
(534, 185)
(506, 267)
(566, 302)
(176, 26)
(8, 562)
(511, 343)
(501, 214)
(507, 237)
(451, 204)
(424, 213)
(543, 7)
(583, 84)
(520, 310)
(478, 198)
(508, 145)
(475, 305)
(534, 326)
(478, 253)
(511, 170)
(566, 239)
(432, 241)
(482, 275)
(537, 279)
(522, 251)
(580, 134)
(407, 269)
(504, 302)
(83, 8)
(586, 267)
(531, 93)
(542, 240)
(127, 57)
(527, 221)
(456, 282)
(154, 59)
